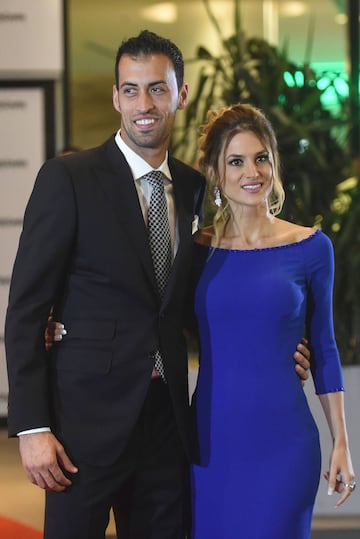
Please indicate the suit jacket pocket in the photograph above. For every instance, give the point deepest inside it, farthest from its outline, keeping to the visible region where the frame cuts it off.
(83, 360)
(90, 329)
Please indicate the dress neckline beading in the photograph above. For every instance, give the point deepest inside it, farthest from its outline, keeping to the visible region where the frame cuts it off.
(259, 249)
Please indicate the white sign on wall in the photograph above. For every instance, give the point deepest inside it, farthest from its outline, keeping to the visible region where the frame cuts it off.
(22, 149)
(31, 35)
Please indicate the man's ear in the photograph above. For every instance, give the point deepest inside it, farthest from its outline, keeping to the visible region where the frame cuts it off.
(116, 103)
(183, 96)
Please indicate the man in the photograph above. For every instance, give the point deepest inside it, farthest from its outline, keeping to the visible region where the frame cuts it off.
(106, 416)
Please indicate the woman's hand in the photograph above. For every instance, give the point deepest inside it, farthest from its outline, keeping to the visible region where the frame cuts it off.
(341, 475)
(54, 332)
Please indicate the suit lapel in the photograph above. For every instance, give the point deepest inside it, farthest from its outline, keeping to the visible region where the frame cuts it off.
(184, 219)
(117, 182)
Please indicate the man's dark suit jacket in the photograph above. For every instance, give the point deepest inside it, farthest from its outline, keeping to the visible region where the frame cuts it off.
(84, 249)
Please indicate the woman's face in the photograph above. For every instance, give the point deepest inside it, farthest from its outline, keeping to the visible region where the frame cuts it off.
(246, 170)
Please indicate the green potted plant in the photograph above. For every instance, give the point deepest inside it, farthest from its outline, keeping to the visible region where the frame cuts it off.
(313, 145)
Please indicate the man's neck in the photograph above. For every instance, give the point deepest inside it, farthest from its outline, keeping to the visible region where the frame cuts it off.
(153, 156)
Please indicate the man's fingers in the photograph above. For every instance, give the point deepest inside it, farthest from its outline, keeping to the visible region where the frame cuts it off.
(47, 481)
(56, 479)
(66, 463)
(51, 479)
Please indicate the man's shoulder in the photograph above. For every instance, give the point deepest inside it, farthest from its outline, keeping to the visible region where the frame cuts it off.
(105, 146)
(92, 157)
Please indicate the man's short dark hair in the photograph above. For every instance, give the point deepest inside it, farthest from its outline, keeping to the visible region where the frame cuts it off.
(146, 44)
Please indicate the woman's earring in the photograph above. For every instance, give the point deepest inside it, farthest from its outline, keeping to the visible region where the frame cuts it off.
(217, 196)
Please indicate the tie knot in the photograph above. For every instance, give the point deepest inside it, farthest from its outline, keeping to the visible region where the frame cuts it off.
(155, 178)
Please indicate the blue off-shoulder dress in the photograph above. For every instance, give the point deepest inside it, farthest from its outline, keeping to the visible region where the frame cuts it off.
(259, 445)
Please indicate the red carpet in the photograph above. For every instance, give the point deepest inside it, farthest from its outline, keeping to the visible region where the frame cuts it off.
(10, 529)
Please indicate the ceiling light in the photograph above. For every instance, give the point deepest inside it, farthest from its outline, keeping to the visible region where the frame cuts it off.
(166, 12)
(341, 18)
(293, 9)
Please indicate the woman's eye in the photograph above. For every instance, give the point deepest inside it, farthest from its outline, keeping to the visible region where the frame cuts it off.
(235, 162)
(263, 158)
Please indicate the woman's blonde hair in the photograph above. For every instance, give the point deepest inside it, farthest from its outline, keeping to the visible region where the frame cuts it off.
(216, 135)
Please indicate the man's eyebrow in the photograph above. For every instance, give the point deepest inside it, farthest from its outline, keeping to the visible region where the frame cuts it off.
(127, 83)
(134, 84)
(161, 81)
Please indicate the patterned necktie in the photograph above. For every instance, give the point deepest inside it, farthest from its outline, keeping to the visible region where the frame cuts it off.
(160, 240)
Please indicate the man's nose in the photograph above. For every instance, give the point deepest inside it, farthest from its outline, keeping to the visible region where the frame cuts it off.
(144, 102)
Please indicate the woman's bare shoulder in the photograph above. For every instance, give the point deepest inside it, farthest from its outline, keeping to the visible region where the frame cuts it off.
(293, 233)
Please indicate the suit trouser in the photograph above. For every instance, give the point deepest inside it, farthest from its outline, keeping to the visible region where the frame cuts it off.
(148, 485)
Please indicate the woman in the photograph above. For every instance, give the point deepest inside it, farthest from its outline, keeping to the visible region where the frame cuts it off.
(261, 280)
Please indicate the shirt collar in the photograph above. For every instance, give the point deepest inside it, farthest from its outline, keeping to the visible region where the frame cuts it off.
(139, 167)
